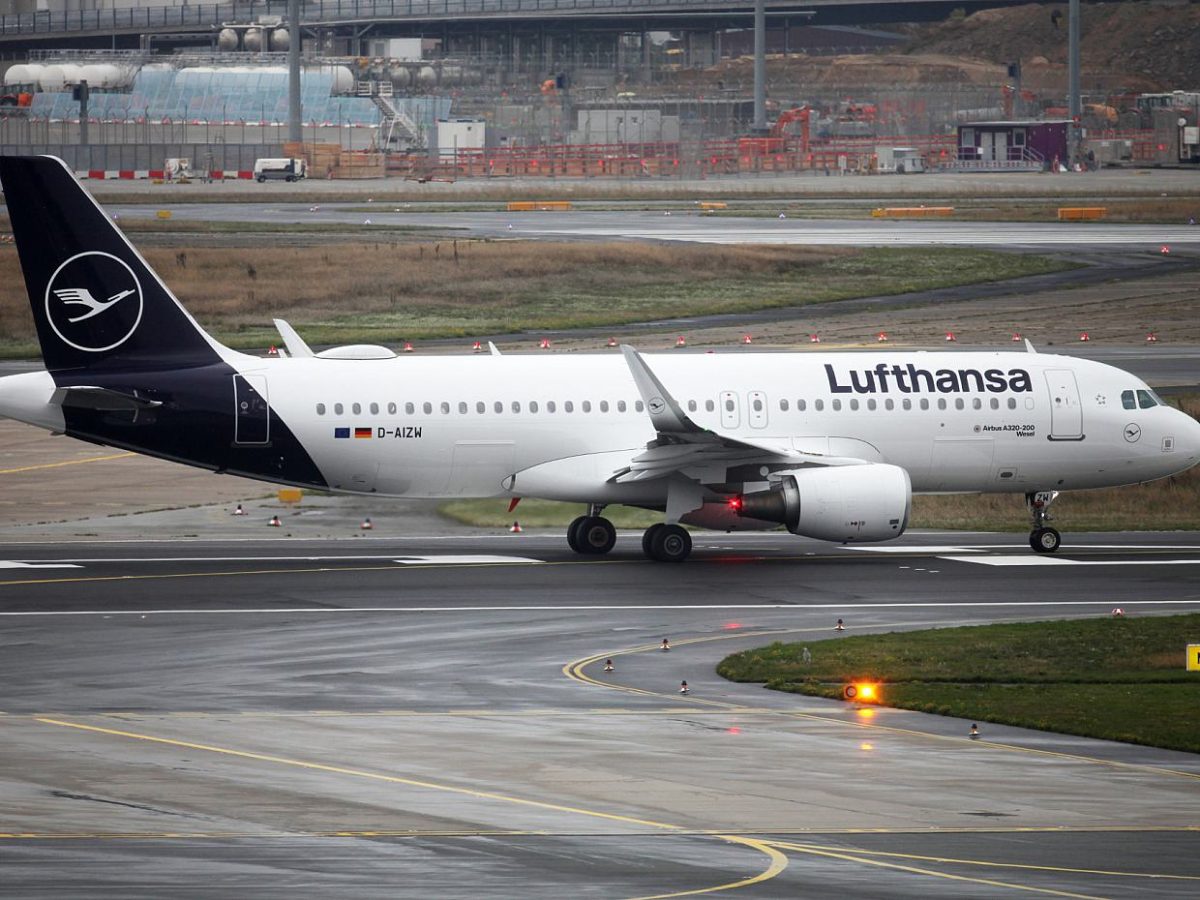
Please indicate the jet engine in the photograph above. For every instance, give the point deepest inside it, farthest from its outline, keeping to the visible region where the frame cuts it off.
(839, 503)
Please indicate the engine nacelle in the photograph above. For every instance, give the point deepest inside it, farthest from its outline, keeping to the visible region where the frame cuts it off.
(847, 504)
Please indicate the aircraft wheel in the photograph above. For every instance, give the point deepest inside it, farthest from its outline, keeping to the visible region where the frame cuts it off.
(573, 534)
(1045, 540)
(595, 535)
(648, 539)
(672, 544)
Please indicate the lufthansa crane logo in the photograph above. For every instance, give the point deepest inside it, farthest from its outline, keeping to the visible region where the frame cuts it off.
(94, 302)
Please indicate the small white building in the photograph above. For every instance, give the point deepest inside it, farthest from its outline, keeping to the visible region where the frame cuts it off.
(457, 135)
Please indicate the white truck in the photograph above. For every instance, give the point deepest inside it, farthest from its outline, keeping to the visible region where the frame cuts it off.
(287, 169)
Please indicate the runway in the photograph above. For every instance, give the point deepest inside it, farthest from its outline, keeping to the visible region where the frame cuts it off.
(429, 715)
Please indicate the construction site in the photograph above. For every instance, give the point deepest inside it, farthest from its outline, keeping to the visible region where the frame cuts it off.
(980, 92)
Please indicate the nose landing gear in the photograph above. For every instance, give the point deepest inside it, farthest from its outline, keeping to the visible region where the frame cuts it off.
(1042, 538)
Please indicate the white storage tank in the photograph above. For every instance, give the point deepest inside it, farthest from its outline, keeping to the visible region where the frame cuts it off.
(280, 39)
(72, 73)
(19, 74)
(227, 40)
(51, 78)
(252, 40)
(427, 76)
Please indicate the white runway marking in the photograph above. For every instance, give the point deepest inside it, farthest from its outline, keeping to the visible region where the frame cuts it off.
(1103, 605)
(462, 560)
(896, 548)
(1060, 561)
(13, 564)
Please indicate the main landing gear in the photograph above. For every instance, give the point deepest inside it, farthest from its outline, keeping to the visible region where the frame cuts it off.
(592, 534)
(1042, 538)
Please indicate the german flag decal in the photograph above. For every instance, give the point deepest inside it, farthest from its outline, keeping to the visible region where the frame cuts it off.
(362, 432)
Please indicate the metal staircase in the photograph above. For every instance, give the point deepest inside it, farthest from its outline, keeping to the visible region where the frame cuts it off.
(397, 130)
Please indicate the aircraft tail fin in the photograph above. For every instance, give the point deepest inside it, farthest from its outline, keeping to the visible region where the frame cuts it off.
(96, 302)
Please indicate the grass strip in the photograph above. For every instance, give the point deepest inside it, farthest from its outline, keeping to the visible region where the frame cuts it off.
(1120, 679)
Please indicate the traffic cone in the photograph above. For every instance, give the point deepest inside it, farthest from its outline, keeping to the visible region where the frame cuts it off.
(1164, 250)
(1118, 613)
(746, 339)
(1084, 336)
(239, 511)
(275, 523)
(839, 626)
(973, 734)
(408, 347)
(366, 525)
(477, 347)
(612, 342)
(666, 645)
(516, 528)
(274, 351)
(814, 339)
(950, 336)
(881, 338)
(544, 344)
(1016, 338)
(683, 688)
(1152, 338)
(608, 666)
(680, 342)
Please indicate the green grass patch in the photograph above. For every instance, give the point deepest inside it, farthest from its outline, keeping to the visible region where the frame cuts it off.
(539, 514)
(1120, 679)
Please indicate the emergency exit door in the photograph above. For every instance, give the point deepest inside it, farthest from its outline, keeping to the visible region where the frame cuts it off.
(1066, 412)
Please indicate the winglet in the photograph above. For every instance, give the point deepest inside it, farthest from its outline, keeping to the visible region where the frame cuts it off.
(665, 412)
(493, 349)
(291, 339)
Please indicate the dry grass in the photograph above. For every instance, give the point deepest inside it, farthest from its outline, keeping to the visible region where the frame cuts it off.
(389, 291)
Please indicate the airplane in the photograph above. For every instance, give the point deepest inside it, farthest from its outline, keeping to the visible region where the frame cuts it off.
(831, 445)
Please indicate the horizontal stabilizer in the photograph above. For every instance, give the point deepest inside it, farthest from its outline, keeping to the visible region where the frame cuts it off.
(99, 398)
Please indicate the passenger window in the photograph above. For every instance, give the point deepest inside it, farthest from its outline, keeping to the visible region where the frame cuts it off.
(568, 406)
(819, 405)
(854, 405)
(729, 405)
(445, 406)
(480, 407)
(995, 403)
(337, 409)
(620, 406)
(958, 403)
(691, 406)
(888, 404)
(709, 406)
(462, 408)
(977, 403)
(837, 405)
(320, 409)
(1127, 400)
(783, 406)
(587, 406)
(941, 402)
(428, 407)
(409, 409)
(906, 403)
(1146, 399)
(550, 407)
(639, 406)
(533, 406)
(871, 404)
(516, 406)
(356, 409)
(924, 403)
(801, 405)
(391, 409)
(757, 405)
(1012, 402)
(374, 409)
(603, 406)
(498, 407)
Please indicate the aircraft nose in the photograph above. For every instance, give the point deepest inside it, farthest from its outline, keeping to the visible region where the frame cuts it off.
(1187, 440)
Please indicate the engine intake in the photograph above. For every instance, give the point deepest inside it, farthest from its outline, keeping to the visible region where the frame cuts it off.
(847, 504)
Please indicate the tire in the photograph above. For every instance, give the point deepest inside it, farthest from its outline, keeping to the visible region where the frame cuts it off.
(672, 544)
(648, 539)
(261, 179)
(290, 179)
(595, 535)
(573, 534)
(1045, 540)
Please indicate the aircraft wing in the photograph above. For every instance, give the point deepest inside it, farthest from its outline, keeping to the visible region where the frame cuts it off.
(681, 446)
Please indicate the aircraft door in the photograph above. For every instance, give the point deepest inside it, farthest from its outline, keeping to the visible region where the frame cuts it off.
(756, 402)
(251, 410)
(731, 416)
(1066, 412)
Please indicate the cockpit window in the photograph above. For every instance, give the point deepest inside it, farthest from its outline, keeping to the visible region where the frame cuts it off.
(1146, 399)
(1127, 400)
